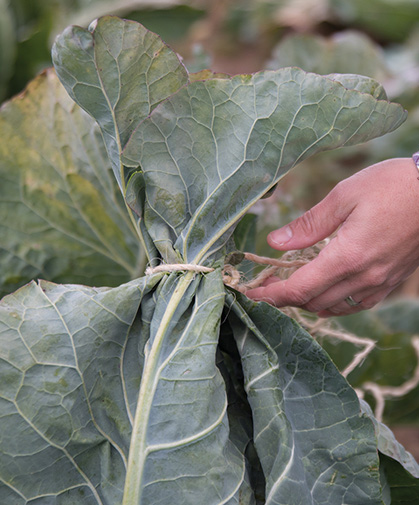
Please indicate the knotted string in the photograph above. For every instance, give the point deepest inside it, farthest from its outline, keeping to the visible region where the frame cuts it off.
(283, 268)
(178, 267)
(233, 278)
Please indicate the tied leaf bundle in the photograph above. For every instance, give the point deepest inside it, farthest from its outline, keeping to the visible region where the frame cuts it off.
(172, 388)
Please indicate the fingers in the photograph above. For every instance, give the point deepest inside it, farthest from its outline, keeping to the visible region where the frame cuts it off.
(331, 298)
(308, 282)
(322, 285)
(359, 287)
(375, 248)
(315, 224)
(365, 302)
(331, 302)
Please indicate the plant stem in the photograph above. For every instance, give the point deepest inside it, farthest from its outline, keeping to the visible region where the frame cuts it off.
(138, 446)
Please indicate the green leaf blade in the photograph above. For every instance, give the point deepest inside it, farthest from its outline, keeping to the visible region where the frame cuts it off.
(71, 419)
(62, 217)
(313, 443)
(183, 403)
(77, 366)
(121, 386)
(239, 136)
(401, 471)
(117, 71)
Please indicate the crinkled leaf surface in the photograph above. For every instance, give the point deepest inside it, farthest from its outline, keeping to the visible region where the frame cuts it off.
(71, 361)
(180, 450)
(197, 432)
(325, 450)
(62, 217)
(212, 149)
(117, 71)
(219, 145)
(67, 377)
(400, 468)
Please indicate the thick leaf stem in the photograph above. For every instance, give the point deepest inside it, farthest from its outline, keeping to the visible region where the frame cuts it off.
(138, 447)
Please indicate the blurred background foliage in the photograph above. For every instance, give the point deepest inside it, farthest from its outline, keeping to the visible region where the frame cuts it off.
(378, 38)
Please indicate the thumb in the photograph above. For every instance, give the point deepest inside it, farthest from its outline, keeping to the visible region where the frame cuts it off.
(314, 225)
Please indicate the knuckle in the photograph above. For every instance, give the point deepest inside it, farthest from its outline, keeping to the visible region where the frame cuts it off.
(312, 307)
(348, 264)
(307, 223)
(297, 297)
(376, 277)
(351, 267)
(393, 281)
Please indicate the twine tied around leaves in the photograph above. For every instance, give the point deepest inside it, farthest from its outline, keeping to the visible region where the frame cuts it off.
(318, 328)
(281, 268)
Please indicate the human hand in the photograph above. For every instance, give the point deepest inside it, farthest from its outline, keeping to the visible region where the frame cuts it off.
(376, 247)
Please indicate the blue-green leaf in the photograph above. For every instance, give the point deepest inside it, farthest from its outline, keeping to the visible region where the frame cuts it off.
(117, 71)
(62, 217)
(213, 149)
(101, 395)
(314, 444)
(151, 403)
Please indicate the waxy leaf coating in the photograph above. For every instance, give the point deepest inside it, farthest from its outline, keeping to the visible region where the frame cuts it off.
(219, 145)
(62, 217)
(117, 71)
(172, 388)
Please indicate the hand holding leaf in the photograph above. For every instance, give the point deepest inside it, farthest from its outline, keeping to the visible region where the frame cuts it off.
(150, 392)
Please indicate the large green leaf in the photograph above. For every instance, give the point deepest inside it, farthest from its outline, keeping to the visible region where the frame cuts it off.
(314, 445)
(71, 362)
(235, 136)
(61, 214)
(219, 145)
(158, 405)
(69, 359)
(108, 391)
(400, 468)
(118, 71)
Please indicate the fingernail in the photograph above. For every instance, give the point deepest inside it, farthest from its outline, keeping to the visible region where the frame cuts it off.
(281, 236)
